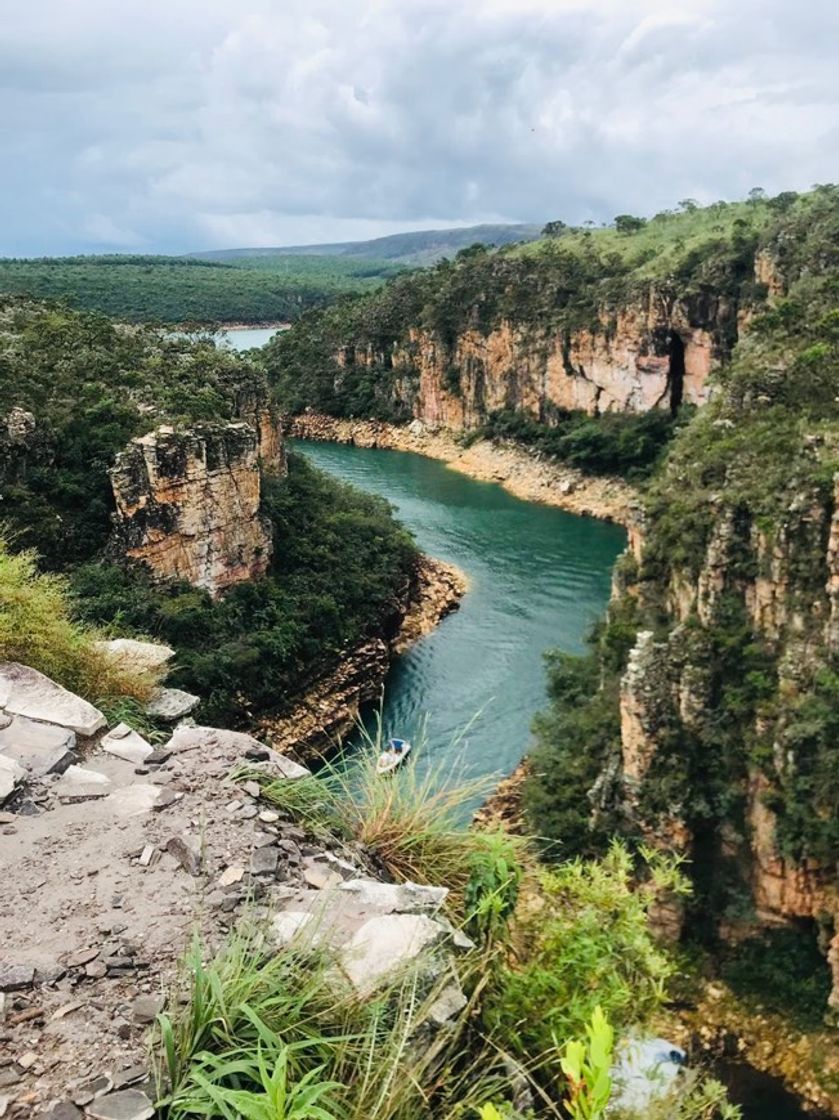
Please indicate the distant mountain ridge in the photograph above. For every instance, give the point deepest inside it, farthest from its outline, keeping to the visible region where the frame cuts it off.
(413, 247)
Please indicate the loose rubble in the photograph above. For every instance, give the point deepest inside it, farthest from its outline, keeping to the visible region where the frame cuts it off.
(107, 872)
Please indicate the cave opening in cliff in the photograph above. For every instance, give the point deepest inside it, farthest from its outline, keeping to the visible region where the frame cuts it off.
(676, 372)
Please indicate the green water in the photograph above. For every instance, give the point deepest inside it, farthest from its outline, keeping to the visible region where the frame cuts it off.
(538, 579)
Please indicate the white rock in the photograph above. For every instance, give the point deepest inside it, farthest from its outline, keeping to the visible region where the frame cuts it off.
(288, 926)
(78, 783)
(404, 898)
(29, 693)
(11, 773)
(124, 742)
(230, 876)
(385, 945)
(131, 801)
(142, 656)
(41, 748)
(171, 703)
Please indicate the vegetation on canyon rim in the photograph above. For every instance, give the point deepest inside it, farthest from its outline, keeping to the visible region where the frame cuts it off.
(747, 489)
(258, 1034)
(340, 568)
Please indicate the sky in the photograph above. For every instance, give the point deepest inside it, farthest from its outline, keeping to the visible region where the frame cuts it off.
(178, 125)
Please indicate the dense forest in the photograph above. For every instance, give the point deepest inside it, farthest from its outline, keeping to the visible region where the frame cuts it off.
(183, 289)
(340, 562)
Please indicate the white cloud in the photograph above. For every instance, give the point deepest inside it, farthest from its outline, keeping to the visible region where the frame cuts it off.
(173, 124)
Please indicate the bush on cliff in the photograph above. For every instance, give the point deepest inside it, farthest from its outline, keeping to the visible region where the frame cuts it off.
(38, 628)
(341, 567)
(90, 385)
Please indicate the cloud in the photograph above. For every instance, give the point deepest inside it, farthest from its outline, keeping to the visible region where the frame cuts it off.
(174, 124)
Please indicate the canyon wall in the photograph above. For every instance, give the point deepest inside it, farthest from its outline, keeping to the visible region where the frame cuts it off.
(656, 351)
(687, 737)
(187, 503)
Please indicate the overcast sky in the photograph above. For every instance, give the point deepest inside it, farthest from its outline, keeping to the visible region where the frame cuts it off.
(158, 125)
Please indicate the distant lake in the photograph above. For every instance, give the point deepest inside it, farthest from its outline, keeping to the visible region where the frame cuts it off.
(245, 338)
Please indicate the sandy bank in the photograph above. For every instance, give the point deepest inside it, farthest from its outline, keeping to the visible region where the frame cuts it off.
(524, 473)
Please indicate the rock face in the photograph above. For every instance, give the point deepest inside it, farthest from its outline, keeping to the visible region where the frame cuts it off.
(655, 352)
(188, 505)
(785, 581)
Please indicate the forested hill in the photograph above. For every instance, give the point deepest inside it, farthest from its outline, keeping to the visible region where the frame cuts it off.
(179, 289)
(419, 247)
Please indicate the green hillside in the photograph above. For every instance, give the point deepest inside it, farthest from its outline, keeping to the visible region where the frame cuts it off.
(420, 247)
(179, 289)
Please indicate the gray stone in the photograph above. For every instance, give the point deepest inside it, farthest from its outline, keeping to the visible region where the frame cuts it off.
(449, 1003)
(90, 1090)
(78, 783)
(386, 944)
(186, 853)
(40, 748)
(286, 767)
(320, 877)
(130, 1076)
(64, 1110)
(171, 704)
(49, 973)
(145, 657)
(14, 977)
(26, 692)
(158, 756)
(264, 861)
(124, 742)
(81, 957)
(127, 1104)
(145, 1009)
(11, 775)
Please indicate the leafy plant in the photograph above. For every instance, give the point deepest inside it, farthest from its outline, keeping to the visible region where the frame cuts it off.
(587, 1067)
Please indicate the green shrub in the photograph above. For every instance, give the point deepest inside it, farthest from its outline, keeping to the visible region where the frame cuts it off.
(584, 942)
(37, 628)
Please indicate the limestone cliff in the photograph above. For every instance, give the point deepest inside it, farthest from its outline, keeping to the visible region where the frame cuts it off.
(187, 504)
(655, 351)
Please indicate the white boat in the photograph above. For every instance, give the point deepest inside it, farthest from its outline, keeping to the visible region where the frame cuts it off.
(395, 754)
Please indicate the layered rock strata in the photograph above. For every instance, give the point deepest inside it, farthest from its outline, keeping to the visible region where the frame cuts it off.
(656, 351)
(187, 505)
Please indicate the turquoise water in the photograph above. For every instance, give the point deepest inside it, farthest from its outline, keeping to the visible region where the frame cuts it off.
(538, 579)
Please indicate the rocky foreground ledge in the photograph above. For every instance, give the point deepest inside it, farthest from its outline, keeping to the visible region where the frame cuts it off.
(114, 851)
(527, 474)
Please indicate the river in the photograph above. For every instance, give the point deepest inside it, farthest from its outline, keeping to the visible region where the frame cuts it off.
(538, 578)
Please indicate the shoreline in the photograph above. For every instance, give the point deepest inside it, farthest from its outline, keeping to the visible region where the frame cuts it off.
(524, 474)
(263, 326)
(318, 720)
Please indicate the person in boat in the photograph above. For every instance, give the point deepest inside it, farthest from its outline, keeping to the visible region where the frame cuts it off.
(396, 745)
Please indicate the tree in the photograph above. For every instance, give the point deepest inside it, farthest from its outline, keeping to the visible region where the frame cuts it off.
(555, 228)
(627, 223)
(757, 194)
(689, 205)
(476, 249)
